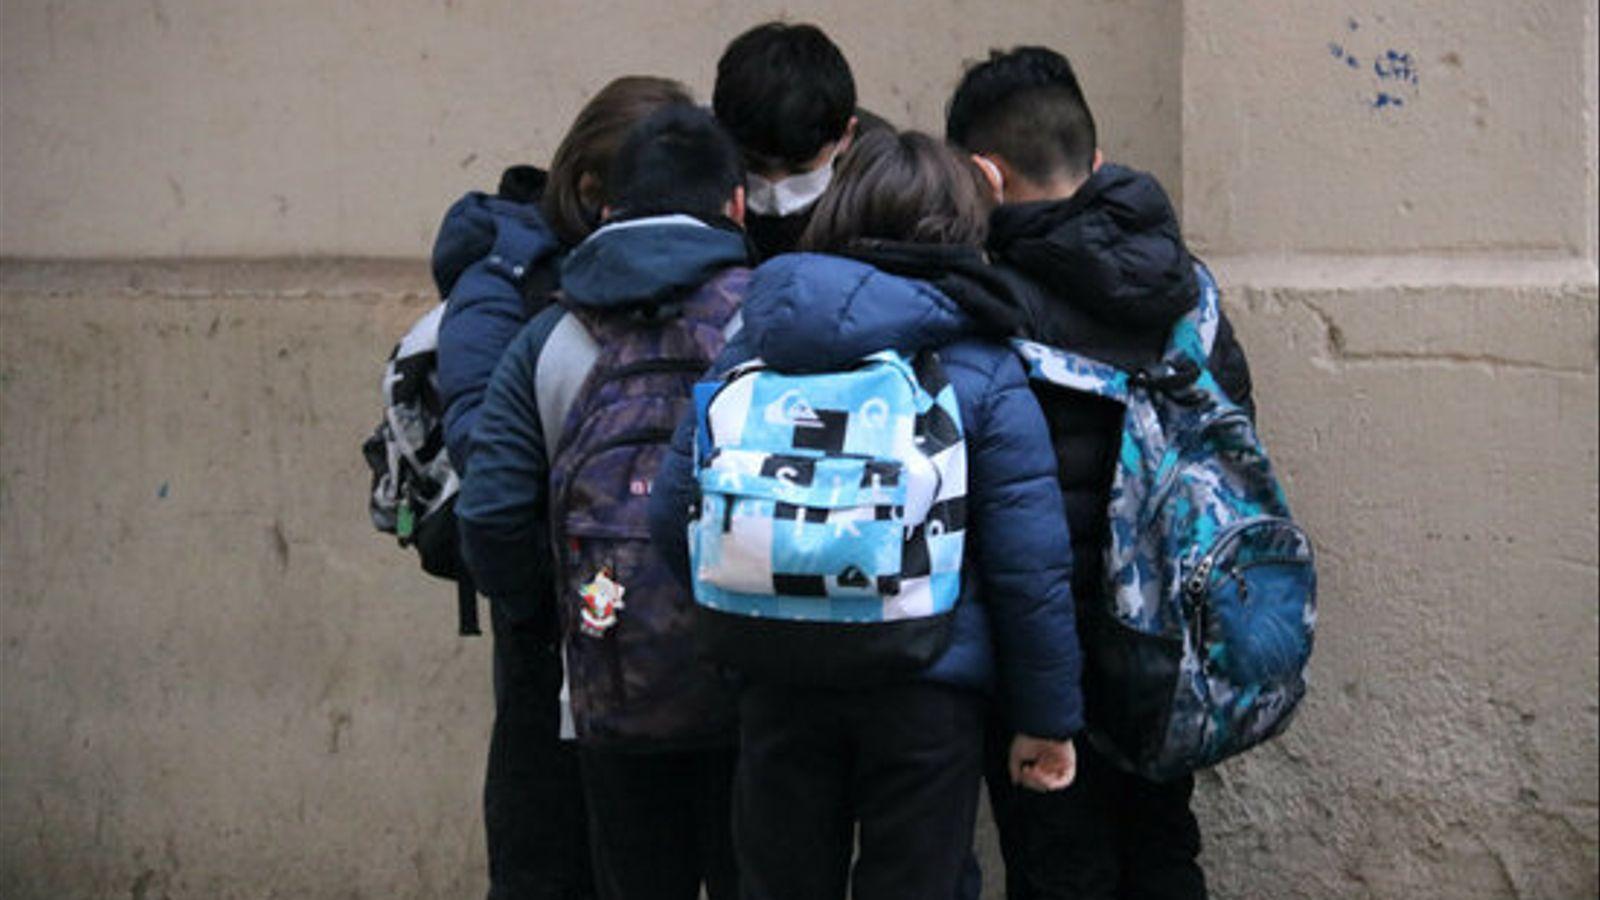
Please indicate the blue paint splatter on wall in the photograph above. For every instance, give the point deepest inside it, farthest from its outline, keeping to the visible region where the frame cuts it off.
(1396, 66)
(164, 490)
(1394, 72)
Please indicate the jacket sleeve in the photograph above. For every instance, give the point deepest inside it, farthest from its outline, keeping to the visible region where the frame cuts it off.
(1229, 367)
(503, 505)
(1024, 557)
(485, 312)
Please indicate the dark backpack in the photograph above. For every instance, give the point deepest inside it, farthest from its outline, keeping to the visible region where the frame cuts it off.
(632, 664)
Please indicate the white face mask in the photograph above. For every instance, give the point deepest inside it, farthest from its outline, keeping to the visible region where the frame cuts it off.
(787, 196)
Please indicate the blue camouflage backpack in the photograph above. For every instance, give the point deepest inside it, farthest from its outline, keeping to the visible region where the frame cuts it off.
(827, 544)
(1210, 588)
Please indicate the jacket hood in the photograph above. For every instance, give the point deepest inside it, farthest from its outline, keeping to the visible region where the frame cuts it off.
(640, 262)
(993, 297)
(809, 312)
(480, 225)
(1113, 249)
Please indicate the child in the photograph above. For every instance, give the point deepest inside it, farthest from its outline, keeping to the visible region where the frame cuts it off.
(1103, 244)
(899, 758)
(786, 95)
(495, 259)
(567, 444)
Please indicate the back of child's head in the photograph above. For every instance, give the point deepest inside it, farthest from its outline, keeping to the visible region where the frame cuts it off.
(675, 160)
(575, 192)
(783, 92)
(904, 186)
(1026, 107)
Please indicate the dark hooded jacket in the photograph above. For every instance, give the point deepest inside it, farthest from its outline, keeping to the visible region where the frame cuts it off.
(1114, 276)
(1014, 622)
(503, 505)
(494, 261)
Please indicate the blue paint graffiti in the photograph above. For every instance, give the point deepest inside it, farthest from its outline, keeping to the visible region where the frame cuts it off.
(1396, 66)
(164, 490)
(1395, 72)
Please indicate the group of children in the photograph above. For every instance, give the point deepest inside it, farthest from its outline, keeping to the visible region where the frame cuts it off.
(668, 244)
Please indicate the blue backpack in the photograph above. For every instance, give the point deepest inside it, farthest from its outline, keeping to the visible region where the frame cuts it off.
(1210, 594)
(827, 544)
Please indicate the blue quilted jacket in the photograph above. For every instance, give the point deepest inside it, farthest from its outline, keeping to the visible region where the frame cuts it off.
(487, 250)
(1014, 625)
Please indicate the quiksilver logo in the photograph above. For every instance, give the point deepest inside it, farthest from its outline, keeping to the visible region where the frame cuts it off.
(792, 409)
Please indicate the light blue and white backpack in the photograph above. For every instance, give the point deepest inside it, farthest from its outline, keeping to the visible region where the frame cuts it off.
(827, 545)
(1199, 646)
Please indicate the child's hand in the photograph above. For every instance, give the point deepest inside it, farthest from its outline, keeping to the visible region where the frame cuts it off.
(1042, 765)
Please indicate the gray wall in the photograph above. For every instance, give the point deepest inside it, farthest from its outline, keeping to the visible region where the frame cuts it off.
(216, 681)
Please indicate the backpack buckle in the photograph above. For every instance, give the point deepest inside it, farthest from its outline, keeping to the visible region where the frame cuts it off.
(1166, 376)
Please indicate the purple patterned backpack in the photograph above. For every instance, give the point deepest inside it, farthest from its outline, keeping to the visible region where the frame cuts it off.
(632, 665)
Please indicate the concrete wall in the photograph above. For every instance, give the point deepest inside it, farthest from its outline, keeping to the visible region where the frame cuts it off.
(215, 681)
(185, 127)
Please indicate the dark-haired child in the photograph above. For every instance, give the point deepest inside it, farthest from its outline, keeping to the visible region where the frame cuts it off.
(786, 94)
(1103, 244)
(567, 443)
(495, 260)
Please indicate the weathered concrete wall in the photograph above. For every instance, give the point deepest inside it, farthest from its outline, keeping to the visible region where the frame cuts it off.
(177, 127)
(1400, 199)
(216, 682)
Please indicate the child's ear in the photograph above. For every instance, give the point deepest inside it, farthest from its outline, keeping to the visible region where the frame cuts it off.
(1099, 160)
(734, 208)
(993, 175)
(849, 136)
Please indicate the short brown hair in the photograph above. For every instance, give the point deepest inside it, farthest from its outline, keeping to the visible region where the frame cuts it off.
(590, 145)
(900, 187)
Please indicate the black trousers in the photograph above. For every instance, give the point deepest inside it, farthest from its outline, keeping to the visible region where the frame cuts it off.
(899, 763)
(1109, 836)
(532, 794)
(659, 823)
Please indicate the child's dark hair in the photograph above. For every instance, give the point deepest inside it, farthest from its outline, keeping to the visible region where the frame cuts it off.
(783, 92)
(1025, 106)
(900, 187)
(574, 193)
(675, 160)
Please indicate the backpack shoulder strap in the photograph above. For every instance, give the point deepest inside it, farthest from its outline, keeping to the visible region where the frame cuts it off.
(1063, 368)
(1192, 338)
(1196, 333)
(563, 367)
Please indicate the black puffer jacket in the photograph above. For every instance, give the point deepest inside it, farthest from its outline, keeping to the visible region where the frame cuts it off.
(1114, 276)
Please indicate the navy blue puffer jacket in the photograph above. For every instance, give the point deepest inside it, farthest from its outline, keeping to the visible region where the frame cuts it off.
(491, 252)
(1014, 624)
